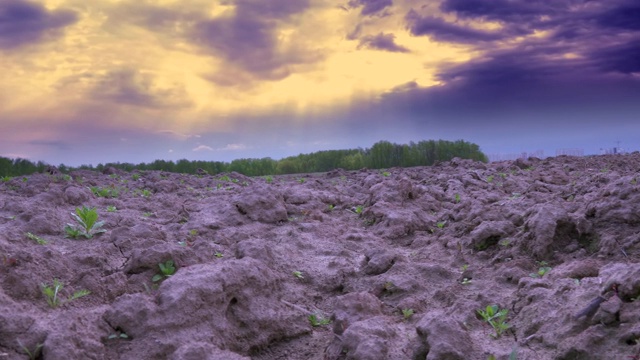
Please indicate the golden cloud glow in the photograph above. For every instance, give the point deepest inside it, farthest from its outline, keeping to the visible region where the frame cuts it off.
(106, 61)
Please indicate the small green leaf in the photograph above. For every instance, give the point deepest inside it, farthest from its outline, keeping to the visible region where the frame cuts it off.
(317, 321)
(79, 294)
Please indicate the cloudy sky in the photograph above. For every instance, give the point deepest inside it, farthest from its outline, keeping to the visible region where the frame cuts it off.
(85, 82)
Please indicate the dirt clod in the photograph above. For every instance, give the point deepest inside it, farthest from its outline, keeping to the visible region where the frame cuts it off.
(342, 265)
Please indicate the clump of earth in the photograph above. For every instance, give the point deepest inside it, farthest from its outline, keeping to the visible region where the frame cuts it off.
(395, 264)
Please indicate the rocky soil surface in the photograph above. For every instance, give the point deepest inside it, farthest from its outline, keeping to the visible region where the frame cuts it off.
(369, 264)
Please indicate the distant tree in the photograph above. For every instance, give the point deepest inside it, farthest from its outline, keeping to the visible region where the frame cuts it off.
(287, 166)
(382, 154)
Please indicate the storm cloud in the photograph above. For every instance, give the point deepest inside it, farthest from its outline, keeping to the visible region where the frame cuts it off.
(442, 30)
(128, 86)
(382, 41)
(247, 39)
(371, 7)
(24, 23)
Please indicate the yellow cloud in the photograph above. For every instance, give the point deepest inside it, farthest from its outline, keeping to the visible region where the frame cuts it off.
(61, 78)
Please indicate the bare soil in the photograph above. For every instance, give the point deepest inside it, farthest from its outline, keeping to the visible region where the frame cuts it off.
(398, 263)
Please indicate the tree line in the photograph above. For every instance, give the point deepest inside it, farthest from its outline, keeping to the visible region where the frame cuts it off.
(381, 155)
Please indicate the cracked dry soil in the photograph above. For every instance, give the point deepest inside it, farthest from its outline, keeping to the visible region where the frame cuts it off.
(399, 262)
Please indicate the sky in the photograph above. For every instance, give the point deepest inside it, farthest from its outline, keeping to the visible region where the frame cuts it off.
(88, 82)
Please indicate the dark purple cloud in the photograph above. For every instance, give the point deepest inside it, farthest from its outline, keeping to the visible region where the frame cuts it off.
(590, 58)
(248, 39)
(371, 7)
(622, 58)
(442, 30)
(131, 87)
(382, 41)
(624, 17)
(506, 10)
(23, 23)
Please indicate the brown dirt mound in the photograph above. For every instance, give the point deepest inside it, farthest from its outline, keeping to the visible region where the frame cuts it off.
(342, 265)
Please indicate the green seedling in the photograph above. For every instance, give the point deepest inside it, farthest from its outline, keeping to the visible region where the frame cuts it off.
(166, 270)
(542, 270)
(147, 214)
(105, 192)
(268, 179)
(386, 173)
(135, 177)
(495, 317)
(302, 180)
(218, 254)
(6, 178)
(145, 193)
(505, 242)
(407, 313)
(298, 274)
(36, 238)
(111, 208)
(32, 354)
(73, 233)
(53, 295)
(331, 207)
(457, 198)
(118, 335)
(87, 219)
(441, 224)
(316, 321)
(490, 179)
(359, 209)
(464, 267)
